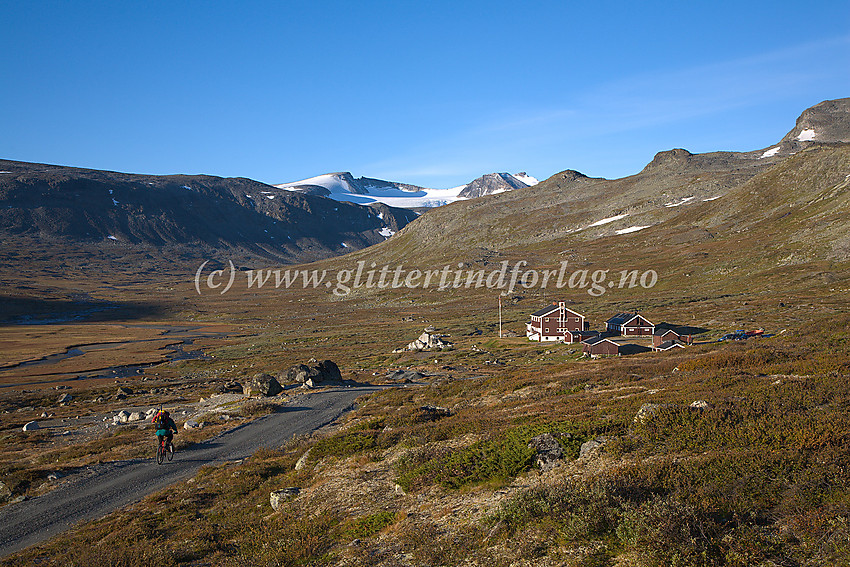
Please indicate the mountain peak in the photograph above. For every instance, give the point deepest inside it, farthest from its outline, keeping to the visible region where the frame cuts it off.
(491, 184)
(828, 121)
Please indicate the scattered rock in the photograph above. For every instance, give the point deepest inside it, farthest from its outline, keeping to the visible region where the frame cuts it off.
(302, 462)
(405, 375)
(315, 372)
(591, 449)
(56, 475)
(549, 452)
(124, 390)
(64, 399)
(31, 426)
(231, 388)
(264, 385)
(192, 424)
(278, 497)
(646, 411)
(120, 396)
(699, 404)
(433, 413)
(428, 341)
(5, 492)
(309, 384)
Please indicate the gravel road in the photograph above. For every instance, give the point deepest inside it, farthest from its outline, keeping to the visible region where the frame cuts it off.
(104, 488)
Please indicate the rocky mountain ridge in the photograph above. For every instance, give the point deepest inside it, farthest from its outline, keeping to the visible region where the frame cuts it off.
(195, 212)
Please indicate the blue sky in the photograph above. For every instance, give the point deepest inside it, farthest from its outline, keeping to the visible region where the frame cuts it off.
(433, 93)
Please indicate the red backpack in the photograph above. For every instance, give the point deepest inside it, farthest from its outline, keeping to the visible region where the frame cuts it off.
(158, 420)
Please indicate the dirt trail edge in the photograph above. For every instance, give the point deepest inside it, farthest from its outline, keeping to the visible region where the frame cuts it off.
(104, 488)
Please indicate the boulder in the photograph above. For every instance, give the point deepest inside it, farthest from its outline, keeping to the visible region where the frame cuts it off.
(592, 448)
(278, 497)
(549, 452)
(124, 390)
(314, 372)
(263, 385)
(30, 426)
(699, 404)
(232, 387)
(135, 416)
(405, 375)
(646, 411)
(192, 424)
(309, 384)
(122, 416)
(64, 399)
(429, 341)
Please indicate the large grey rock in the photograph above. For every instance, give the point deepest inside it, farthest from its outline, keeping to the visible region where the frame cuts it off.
(405, 375)
(135, 416)
(122, 416)
(591, 449)
(549, 452)
(429, 341)
(30, 426)
(64, 399)
(278, 497)
(263, 385)
(316, 373)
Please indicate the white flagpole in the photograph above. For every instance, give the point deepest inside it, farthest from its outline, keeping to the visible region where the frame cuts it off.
(500, 316)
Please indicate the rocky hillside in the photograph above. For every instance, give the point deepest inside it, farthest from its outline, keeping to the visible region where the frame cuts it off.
(113, 211)
(678, 198)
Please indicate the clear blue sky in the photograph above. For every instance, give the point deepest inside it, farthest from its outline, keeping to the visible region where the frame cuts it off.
(432, 93)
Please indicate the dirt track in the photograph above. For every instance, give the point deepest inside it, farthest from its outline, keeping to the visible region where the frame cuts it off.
(109, 486)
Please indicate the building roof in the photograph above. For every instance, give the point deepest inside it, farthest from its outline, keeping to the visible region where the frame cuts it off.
(623, 318)
(554, 307)
(667, 345)
(661, 331)
(545, 311)
(597, 339)
(620, 318)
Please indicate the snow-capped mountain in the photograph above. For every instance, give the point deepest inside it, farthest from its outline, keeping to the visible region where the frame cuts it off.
(343, 186)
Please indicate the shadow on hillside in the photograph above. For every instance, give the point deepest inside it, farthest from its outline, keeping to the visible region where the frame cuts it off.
(16, 310)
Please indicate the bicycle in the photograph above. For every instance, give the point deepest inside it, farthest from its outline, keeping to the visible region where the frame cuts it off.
(164, 449)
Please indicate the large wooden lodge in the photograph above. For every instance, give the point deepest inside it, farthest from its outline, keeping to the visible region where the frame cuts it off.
(556, 322)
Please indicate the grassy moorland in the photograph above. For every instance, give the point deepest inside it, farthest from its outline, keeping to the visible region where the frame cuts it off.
(754, 474)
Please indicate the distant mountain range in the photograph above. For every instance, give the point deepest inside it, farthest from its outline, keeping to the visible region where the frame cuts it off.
(679, 197)
(365, 190)
(195, 214)
(785, 203)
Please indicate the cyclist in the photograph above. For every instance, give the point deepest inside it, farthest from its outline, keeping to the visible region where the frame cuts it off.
(164, 426)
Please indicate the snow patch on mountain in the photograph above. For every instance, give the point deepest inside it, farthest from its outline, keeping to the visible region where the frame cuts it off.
(807, 135)
(607, 220)
(771, 152)
(679, 203)
(631, 229)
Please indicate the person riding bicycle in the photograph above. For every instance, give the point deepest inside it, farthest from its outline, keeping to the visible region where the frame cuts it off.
(164, 426)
